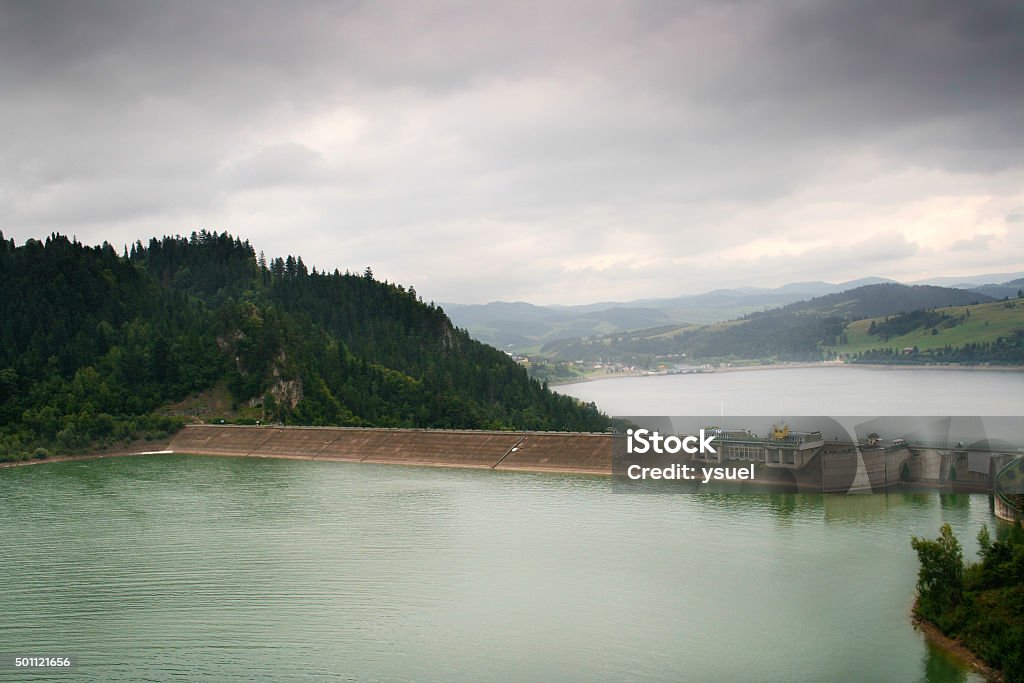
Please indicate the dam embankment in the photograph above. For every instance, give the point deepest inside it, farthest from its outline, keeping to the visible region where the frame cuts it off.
(832, 467)
(523, 451)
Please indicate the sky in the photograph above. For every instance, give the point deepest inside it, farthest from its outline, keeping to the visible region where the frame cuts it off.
(551, 152)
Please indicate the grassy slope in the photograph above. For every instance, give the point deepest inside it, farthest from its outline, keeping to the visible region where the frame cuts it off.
(986, 323)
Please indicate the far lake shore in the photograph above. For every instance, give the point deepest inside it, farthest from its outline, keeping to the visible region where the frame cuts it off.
(135, 448)
(597, 377)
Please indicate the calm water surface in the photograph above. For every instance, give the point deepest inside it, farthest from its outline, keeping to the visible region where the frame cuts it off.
(215, 569)
(811, 391)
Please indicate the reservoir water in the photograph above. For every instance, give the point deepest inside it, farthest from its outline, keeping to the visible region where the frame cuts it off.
(825, 390)
(154, 568)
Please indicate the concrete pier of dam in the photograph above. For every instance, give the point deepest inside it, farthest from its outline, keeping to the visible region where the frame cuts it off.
(1009, 490)
(829, 467)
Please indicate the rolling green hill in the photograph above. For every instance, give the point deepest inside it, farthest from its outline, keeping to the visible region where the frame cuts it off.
(881, 299)
(954, 326)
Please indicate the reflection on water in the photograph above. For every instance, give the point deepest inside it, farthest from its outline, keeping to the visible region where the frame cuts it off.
(857, 508)
(782, 506)
(955, 500)
(218, 569)
(940, 665)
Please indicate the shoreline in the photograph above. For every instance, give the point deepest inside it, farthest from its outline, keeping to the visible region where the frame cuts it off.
(954, 647)
(152, 448)
(571, 453)
(755, 486)
(313, 458)
(792, 366)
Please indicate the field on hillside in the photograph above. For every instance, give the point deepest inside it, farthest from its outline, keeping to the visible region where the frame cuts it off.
(986, 323)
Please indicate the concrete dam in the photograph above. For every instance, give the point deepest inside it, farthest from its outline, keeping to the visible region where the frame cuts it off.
(798, 464)
(524, 451)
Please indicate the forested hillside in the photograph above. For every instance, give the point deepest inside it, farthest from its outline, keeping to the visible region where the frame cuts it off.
(885, 298)
(93, 343)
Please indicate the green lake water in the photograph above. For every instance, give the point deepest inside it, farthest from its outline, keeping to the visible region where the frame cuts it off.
(162, 568)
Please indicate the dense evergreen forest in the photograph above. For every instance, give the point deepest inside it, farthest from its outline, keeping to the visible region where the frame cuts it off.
(94, 343)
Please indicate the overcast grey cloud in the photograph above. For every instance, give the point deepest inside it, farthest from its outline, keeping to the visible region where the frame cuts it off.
(551, 152)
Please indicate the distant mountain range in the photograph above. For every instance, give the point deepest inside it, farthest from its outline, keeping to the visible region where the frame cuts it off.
(884, 323)
(522, 326)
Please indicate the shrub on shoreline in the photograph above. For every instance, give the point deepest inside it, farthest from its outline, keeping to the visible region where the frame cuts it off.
(981, 604)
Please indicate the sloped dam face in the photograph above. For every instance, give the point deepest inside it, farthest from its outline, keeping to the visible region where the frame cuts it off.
(532, 451)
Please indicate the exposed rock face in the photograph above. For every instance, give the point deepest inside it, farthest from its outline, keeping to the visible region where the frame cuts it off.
(287, 392)
(228, 341)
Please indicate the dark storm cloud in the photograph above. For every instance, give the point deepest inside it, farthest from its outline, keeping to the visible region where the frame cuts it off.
(434, 139)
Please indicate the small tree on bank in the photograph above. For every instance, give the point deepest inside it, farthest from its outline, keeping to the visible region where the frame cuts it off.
(940, 579)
